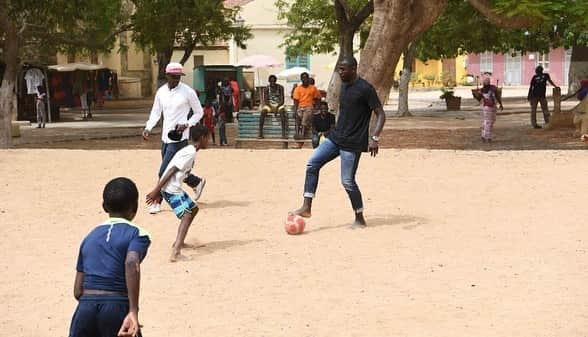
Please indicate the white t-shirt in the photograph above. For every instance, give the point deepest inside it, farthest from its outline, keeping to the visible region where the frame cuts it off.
(184, 161)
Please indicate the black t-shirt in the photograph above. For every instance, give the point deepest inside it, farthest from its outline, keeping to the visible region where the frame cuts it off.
(538, 85)
(321, 124)
(356, 103)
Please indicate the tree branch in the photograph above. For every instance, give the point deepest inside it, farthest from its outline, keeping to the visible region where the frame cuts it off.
(187, 51)
(346, 8)
(362, 15)
(515, 22)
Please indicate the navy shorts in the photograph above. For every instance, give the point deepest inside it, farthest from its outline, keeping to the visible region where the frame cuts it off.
(99, 316)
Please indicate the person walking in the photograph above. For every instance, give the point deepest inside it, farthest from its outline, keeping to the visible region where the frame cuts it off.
(348, 140)
(489, 99)
(174, 100)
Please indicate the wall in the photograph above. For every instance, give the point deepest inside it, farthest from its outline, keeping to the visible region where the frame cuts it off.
(211, 57)
(528, 63)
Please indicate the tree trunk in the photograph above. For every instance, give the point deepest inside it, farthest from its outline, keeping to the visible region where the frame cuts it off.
(163, 58)
(407, 64)
(395, 24)
(578, 68)
(345, 48)
(8, 85)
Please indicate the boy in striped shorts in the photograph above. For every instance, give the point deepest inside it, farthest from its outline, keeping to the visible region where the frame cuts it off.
(170, 186)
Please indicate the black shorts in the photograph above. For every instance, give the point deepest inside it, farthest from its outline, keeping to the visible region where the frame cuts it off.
(99, 316)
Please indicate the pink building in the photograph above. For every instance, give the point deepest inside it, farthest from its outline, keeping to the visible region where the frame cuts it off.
(517, 69)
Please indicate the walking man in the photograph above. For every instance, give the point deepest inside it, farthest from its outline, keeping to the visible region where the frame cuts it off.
(348, 140)
(174, 100)
(537, 95)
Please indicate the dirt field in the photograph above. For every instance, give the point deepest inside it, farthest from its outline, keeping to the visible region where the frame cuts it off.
(459, 244)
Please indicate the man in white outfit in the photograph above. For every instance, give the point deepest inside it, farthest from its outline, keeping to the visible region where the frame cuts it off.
(174, 100)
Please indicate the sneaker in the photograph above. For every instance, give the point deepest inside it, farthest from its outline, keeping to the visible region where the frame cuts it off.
(154, 208)
(198, 189)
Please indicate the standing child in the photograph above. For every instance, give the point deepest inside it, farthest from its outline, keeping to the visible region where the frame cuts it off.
(41, 111)
(209, 114)
(222, 127)
(108, 268)
(170, 185)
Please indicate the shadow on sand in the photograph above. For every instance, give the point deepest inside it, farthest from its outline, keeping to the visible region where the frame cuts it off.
(408, 222)
(224, 203)
(214, 246)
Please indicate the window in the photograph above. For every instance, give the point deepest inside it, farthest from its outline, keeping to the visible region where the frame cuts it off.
(543, 60)
(486, 62)
(298, 61)
(198, 61)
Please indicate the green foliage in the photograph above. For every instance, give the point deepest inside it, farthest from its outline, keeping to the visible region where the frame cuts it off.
(447, 92)
(69, 26)
(314, 26)
(161, 24)
(461, 29)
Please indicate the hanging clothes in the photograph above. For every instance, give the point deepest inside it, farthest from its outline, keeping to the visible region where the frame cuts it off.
(34, 77)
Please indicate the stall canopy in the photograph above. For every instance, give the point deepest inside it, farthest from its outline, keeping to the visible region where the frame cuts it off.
(76, 66)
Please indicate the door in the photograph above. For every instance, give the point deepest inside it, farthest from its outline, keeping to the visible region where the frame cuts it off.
(512, 69)
(566, 70)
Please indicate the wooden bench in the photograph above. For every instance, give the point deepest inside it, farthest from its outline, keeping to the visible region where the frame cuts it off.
(248, 129)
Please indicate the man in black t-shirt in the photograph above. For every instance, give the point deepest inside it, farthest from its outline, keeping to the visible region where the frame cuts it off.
(537, 95)
(322, 123)
(348, 140)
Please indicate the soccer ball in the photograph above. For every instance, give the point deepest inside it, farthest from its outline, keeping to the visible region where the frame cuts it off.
(294, 224)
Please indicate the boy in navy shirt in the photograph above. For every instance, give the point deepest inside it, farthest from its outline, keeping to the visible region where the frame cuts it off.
(108, 272)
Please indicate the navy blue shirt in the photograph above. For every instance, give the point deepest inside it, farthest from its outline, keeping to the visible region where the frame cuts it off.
(103, 253)
(357, 101)
(538, 85)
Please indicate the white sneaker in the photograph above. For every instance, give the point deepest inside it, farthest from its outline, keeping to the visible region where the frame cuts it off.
(154, 208)
(198, 189)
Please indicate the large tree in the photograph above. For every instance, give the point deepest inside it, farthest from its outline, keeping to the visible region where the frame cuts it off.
(397, 23)
(162, 25)
(49, 26)
(319, 26)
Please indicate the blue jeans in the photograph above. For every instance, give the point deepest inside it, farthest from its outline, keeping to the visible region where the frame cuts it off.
(168, 151)
(323, 154)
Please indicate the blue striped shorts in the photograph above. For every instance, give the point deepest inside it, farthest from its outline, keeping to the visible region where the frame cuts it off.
(180, 203)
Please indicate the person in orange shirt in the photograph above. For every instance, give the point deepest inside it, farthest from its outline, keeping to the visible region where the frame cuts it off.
(305, 97)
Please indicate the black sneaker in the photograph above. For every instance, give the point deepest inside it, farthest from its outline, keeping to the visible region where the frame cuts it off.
(537, 127)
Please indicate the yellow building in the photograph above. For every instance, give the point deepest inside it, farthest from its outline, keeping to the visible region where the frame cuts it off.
(136, 69)
(437, 72)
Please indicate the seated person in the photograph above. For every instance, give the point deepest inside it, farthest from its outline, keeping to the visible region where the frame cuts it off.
(322, 123)
(273, 102)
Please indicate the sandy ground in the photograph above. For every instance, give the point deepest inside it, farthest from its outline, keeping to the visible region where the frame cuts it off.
(460, 244)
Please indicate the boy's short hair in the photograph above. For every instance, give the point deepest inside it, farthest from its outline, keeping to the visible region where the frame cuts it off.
(325, 103)
(120, 195)
(198, 131)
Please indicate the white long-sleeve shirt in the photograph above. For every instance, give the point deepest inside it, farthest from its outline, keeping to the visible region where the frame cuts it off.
(175, 105)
